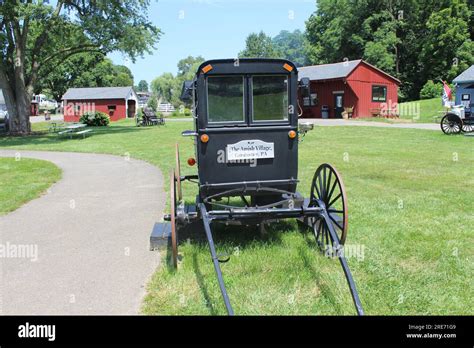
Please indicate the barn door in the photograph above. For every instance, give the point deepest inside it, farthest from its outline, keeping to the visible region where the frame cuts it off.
(338, 105)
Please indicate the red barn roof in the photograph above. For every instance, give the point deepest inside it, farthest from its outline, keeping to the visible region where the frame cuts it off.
(336, 71)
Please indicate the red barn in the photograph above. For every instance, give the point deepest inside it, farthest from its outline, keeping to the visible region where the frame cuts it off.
(117, 102)
(353, 84)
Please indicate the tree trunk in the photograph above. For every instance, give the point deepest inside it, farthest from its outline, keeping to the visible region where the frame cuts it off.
(20, 125)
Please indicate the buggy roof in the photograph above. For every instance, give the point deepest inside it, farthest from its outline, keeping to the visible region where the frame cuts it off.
(246, 66)
(467, 76)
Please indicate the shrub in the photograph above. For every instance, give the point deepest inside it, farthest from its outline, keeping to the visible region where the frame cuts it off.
(431, 90)
(153, 103)
(95, 118)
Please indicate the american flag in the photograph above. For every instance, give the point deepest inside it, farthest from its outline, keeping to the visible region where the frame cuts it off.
(447, 95)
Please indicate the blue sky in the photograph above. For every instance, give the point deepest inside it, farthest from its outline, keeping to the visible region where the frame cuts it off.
(212, 29)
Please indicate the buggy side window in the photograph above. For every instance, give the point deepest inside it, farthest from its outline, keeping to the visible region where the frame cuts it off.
(225, 99)
(270, 98)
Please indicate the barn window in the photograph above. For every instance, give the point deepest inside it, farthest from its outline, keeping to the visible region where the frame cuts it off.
(112, 107)
(466, 97)
(77, 107)
(270, 98)
(225, 98)
(312, 100)
(379, 93)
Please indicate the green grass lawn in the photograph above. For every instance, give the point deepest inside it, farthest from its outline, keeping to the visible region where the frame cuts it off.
(23, 180)
(428, 110)
(410, 195)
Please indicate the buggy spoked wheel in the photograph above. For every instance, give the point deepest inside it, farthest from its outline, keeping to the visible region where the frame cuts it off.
(174, 235)
(451, 124)
(328, 192)
(467, 127)
(178, 175)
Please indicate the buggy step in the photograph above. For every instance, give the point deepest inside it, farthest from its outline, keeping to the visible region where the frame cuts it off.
(160, 235)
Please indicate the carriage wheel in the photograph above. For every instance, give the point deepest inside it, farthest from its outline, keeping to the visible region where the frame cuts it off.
(467, 127)
(177, 174)
(451, 124)
(174, 236)
(328, 192)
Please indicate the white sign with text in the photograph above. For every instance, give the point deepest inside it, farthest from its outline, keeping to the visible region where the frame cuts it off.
(250, 149)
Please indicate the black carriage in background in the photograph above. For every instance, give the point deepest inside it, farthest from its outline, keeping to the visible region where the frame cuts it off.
(149, 118)
(246, 149)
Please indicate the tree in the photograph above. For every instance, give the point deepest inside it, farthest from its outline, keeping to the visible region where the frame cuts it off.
(291, 46)
(163, 86)
(259, 46)
(186, 65)
(123, 77)
(142, 86)
(83, 70)
(446, 41)
(153, 102)
(36, 36)
(414, 40)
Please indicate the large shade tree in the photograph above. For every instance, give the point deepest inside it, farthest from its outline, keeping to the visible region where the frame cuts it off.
(83, 70)
(415, 40)
(36, 36)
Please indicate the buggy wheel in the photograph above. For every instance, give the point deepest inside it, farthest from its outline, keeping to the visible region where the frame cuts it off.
(467, 127)
(451, 124)
(329, 193)
(177, 173)
(174, 235)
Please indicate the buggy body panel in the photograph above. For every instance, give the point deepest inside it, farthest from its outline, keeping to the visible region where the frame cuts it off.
(221, 175)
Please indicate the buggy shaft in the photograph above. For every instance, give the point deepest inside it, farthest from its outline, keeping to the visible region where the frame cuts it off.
(345, 266)
(215, 259)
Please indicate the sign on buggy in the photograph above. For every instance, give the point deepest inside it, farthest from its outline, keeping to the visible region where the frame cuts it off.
(247, 109)
(250, 149)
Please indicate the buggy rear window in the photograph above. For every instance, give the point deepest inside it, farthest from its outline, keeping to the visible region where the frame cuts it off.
(270, 98)
(225, 99)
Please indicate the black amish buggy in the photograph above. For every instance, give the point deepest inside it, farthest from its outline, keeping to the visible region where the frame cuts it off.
(149, 118)
(246, 148)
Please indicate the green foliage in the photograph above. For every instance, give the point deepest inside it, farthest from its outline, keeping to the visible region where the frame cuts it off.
(189, 65)
(164, 86)
(36, 37)
(259, 46)
(431, 90)
(95, 119)
(84, 70)
(122, 76)
(142, 86)
(413, 40)
(168, 87)
(447, 39)
(291, 46)
(153, 103)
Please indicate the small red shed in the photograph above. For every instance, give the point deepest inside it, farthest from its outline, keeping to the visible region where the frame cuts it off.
(352, 84)
(117, 102)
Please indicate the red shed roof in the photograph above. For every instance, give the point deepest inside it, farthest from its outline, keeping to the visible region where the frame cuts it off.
(98, 93)
(336, 70)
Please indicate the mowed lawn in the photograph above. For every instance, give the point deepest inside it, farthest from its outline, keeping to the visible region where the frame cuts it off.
(411, 203)
(24, 179)
(422, 111)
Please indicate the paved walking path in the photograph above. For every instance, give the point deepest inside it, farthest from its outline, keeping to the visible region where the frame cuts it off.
(91, 230)
(342, 122)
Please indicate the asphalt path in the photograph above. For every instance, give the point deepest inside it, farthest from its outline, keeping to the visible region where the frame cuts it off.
(84, 243)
